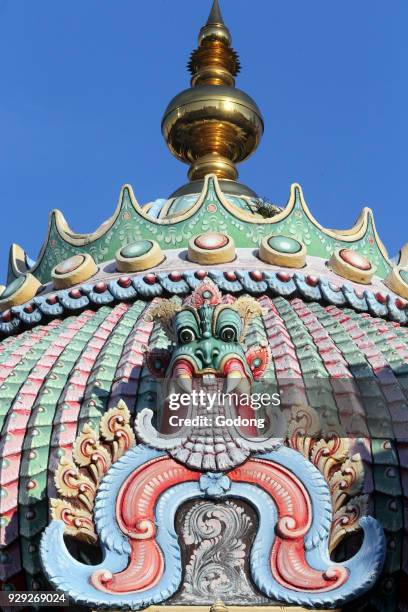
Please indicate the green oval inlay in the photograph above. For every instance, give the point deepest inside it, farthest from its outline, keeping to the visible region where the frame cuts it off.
(284, 244)
(403, 275)
(136, 249)
(13, 287)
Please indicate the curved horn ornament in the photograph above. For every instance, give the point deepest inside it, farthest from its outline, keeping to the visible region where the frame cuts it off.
(290, 564)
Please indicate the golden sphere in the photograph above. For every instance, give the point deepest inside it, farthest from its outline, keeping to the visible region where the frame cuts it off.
(214, 122)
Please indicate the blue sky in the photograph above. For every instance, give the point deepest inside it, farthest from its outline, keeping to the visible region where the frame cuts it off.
(85, 83)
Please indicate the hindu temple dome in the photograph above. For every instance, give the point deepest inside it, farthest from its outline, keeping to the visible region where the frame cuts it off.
(117, 498)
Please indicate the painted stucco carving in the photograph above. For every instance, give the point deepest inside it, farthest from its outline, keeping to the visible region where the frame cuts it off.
(134, 514)
(218, 534)
(207, 353)
(135, 492)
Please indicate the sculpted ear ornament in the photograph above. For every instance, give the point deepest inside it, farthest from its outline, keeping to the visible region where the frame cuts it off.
(258, 358)
(247, 308)
(165, 311)
(157, 360)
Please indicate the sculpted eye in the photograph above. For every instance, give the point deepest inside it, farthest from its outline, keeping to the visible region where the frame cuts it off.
(186, 335)
(228, 334)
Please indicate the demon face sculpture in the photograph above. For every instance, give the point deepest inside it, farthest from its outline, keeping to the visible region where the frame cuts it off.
(208, 381)
(127, 496)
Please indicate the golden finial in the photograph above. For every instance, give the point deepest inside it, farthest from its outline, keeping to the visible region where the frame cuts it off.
(215, 25)
(214, 62)
(219, 606)
(213, 126)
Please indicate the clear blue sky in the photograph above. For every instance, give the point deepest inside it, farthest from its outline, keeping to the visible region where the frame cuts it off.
(84, 84)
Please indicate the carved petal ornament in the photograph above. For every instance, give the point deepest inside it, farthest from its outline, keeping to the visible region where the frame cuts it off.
(135, 512)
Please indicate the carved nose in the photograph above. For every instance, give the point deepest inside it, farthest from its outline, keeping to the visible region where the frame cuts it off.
(206, 352)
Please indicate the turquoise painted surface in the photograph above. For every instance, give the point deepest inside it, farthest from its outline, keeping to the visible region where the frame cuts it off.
(130, 226)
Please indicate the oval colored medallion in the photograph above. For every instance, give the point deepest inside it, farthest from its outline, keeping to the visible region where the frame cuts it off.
(403, 275)
(284, 244)
(12, 287)
(69, 265)
(355, 259)
(211, 241)
(136, 249)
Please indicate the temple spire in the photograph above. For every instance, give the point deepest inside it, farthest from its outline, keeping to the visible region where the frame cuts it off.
(215, 28)
(215, 14)
(213, 126)
(214, 62)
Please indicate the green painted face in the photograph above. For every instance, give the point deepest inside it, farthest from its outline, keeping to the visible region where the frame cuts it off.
(207, 336)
